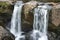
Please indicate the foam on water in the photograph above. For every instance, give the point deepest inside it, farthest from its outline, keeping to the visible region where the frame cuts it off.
(43, 38)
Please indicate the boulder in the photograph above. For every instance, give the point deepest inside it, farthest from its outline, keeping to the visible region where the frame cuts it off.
(28, 7)
(6, 10)
(27, 15)
(5, 35)
(56, 15)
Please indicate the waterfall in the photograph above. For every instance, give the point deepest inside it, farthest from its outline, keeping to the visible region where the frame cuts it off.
(16, 21)
(43, 22)
(40, 23)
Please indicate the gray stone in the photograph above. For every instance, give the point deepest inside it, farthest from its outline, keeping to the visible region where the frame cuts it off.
(5, 35)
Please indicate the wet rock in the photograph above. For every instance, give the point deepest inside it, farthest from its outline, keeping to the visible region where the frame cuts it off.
(56, 15)
(5, 12)
(5, 35)
(27, 15)
(9, 1)
(28, 7)
(52, 36)
(5, 7)
(58, 38)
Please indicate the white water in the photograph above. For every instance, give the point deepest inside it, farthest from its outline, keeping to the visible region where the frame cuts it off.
(40, 22)
(16, 21)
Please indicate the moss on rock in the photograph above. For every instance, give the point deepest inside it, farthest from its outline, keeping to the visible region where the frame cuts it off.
(6, 10)
(4, 7)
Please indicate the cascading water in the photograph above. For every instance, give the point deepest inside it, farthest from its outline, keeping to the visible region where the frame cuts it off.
(40, 22)
(16, 21)
(43, 22)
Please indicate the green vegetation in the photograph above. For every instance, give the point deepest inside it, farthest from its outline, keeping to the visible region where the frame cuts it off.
(4, 6)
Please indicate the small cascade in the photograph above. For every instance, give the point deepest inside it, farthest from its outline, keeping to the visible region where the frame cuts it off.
(40, 23)
(16, 21)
